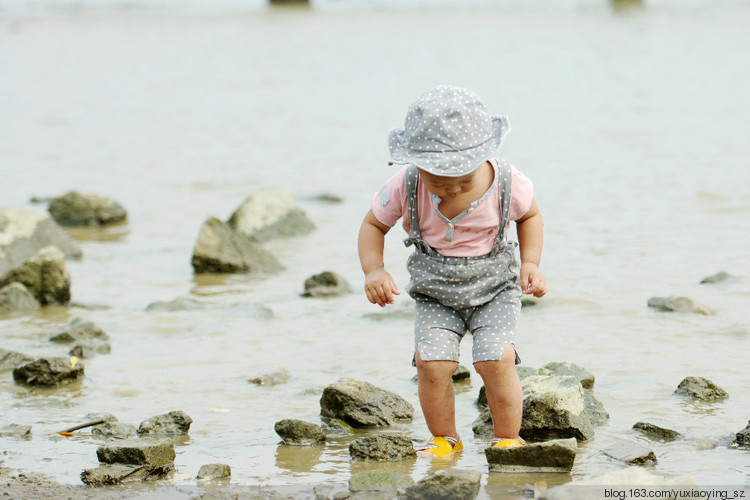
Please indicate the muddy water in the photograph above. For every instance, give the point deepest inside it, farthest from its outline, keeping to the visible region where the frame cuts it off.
(632, 123)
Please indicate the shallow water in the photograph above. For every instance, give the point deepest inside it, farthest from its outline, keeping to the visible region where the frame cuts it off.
(631, 121)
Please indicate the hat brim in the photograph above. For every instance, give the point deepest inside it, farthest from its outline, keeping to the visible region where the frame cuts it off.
(448, 163)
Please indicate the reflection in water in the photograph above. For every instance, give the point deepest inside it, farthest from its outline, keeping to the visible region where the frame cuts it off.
(299, 459)
(111, 233)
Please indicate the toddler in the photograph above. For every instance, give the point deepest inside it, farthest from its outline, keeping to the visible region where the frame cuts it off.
(457, 202)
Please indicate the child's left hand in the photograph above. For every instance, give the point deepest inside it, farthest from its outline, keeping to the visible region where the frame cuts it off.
(532, 280)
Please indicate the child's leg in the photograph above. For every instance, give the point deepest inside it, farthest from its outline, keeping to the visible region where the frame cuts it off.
(504, 396)
(436, 395)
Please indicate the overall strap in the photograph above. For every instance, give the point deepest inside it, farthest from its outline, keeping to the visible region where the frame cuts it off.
(411, 179)
(503, 187)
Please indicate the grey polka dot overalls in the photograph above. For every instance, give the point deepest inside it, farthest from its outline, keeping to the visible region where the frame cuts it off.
(454, 295)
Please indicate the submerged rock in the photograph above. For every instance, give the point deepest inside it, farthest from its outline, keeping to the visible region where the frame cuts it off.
(137, 452)
(630, 452)
(48, 372)
(16, 297)
(213, 472)
(12, 359)
(715, 278)
(118, 474)
(178, 304)
(299, 432)
(81, 209)
(24, 231)
(220, 250)
(379, 481)
(549, 456)
(700, 388)
(361, 404)
(451, 484)
(270, 213)
(382, 448)
(174, 422)
(326, 284)
(678, 304)
(44, 275)
(276, 378)
(655, 432)
(15, 430)
(742, 438)
(80, 329)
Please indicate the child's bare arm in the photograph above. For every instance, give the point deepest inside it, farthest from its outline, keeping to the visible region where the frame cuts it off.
(530, 229)
(379, 285)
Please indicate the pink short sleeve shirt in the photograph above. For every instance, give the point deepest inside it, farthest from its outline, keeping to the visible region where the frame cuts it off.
(474, 234)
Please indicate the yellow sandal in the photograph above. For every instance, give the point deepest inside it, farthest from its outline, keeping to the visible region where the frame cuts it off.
(439, 446)
(508, 442)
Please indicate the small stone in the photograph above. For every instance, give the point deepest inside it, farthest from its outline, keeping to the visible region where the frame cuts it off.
(743, 437)
(82, 209)
(700, 388)
(299, 432)
(362, 404)
(137, 452)
(678, 304)
(12, 359)
(276, 378)
(178, 304)
(451, 484)
(461, 373)
(48, 372)
(556, 455)
(326, 284)
(16, 297)
(715, 278)
(174, 422)
(118, 430)
(655, 432)
(212, 472)
(382, 448)
(630, 452)
(110, 474)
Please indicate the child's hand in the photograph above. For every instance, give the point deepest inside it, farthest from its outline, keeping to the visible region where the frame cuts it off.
(380, 287)
(532, 280)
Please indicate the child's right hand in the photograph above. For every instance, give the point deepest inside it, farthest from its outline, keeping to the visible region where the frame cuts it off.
(380, 287)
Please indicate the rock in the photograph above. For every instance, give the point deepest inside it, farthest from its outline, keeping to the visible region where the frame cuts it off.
(382, 448)
(44, 275)
(213, 472)
(221, 250)
(118, 474)
(24, 231)
(655, 432)
(597, 413)
(15, 430)
(16, 297)
(174, 422)
(178, 304)
(118, 430)
(678, 304)
(556, 455)
(82, 330)
(482, 426)
(12, 359)
(326, 284)
(743, 437)
(451, 484)
(602, 485)
(270, 213)
(137, 452)
(563, 368)
(48, 372)
(81, 209)
(554, 408)
(88, 350)
(630, 452)
(379, 481)
(715, 278)
(276, 378)
(299, 432)
(700, 388)
(462, 373)
(361, 404)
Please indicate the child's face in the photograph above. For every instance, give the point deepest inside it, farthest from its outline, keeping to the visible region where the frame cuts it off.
(449, 187)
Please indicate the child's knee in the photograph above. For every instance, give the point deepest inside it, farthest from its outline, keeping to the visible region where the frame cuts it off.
(435, 371)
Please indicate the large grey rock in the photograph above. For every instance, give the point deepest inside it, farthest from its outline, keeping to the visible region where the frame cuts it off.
(678, 304)
(299, 432)
(556, 455)
(700, 388)
(554, 408)
(111, 474)
(743, 437)
(326, 284)
(16, 297)
(48, 372)
(654, 431)
(83, 209)
(174, 422)
(12, 359)
(379, 481)
(24, 231)
(214, 472)
(565, 368)
(221, 250)
(451, 484)
(15, 430)
(270, 213)
(630, 452)
(137, 452)
(361, 404)
(382, 448)
(45, 275)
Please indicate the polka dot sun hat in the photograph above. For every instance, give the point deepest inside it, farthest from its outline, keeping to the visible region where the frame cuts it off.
(448, 131)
